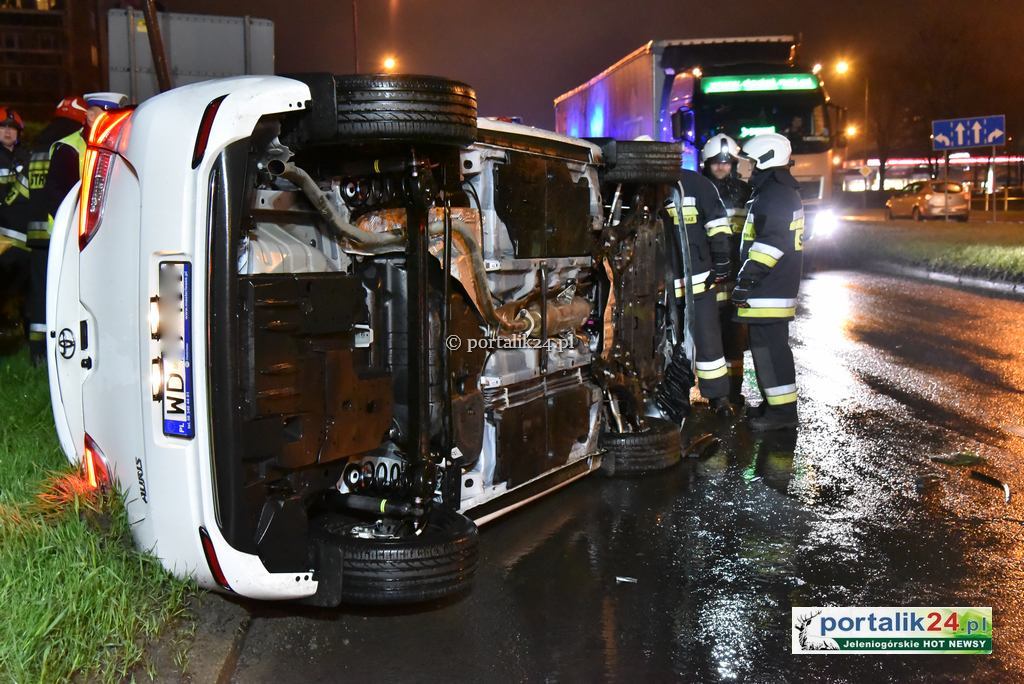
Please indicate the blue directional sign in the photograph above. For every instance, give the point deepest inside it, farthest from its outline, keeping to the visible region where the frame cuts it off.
(972, 131)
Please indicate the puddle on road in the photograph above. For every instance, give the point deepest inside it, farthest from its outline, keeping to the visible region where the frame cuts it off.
(847, 511)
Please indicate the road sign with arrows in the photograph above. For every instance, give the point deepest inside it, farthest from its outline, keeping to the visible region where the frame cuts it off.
(972, 131)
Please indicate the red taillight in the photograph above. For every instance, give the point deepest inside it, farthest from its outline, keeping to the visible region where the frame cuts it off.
(99, 162)
(95, 175)
(94, 465)
(211, 559)
(205, 126)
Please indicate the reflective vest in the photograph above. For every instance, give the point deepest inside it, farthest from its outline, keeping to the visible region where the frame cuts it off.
(35, 180)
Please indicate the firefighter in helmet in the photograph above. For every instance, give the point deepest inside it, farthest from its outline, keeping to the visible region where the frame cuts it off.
(720, 156)
(768, 281)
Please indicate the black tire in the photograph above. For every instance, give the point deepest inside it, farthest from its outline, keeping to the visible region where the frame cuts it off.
(439, 562)
(632, 453)
(406, 108)
(915, 214)
(642, 161)
(888, 214)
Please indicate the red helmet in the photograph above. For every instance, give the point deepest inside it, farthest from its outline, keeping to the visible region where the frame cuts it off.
(8, 116)
(73, 108)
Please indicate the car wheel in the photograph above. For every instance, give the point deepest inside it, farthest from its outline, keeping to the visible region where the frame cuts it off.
(888, 214)
(378, 568)
(916, 214)
(631, 453)
(641, 161)
(374, 107)
(963, 219)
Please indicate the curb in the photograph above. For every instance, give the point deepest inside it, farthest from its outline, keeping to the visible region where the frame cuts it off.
(1015, 290)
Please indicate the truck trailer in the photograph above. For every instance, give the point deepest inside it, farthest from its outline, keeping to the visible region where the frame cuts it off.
(689, 90)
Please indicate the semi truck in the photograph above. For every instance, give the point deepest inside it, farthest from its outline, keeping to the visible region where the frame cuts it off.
(689, 90)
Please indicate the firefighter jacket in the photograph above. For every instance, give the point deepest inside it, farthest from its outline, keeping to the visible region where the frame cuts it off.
(12, 164)
(706, 227)
(771, 248)
(31, 203)
(735, 194)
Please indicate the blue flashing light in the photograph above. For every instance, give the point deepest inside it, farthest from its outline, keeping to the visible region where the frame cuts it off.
(597, 122)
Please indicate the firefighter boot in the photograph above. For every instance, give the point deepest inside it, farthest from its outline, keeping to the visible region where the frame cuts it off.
(775, 418)
(723, 407)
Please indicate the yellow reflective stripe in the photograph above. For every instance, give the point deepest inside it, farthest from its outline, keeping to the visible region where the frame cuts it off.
(766, 313)
(698, 288)
(38, 235)
(781, 399)
(718, 230)
(689, 214)
(722, 296)
(36, 335)
(711, 375)
(748, 228)
(762, 258)
(797, 224)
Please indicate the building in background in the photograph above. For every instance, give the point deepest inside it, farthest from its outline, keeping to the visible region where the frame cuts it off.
(53, 48)
(48, 49)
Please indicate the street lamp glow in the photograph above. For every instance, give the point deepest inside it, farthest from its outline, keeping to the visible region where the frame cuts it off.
(842, 67)
(851, 131)
(390, 63)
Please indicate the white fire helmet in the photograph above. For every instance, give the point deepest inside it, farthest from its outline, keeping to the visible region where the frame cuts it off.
(768, 150)
(720, 148)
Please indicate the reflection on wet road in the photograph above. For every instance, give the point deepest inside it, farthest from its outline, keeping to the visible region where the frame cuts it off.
(850, 511)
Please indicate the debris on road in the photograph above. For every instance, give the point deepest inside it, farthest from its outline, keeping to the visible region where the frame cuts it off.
(964, 458)
(989, 480)
(703, 446)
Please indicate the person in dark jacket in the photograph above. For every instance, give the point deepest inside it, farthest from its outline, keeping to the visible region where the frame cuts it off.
(706, 229)
(720, 156)
(26, 212)
(769, 278)
(12, 152)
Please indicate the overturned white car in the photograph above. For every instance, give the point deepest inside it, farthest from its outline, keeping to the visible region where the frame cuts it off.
(319, 337)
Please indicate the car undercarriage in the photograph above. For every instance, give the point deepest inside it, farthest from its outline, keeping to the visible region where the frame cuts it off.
(417, 322)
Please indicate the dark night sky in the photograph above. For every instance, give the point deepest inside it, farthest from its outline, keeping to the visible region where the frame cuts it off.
(520, 54)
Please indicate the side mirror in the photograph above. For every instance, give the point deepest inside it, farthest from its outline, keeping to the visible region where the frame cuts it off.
(683, 124)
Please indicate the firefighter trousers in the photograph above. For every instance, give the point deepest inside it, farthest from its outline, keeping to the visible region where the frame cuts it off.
(773, 363)
(734, 343)
(37, 300)
(712, 372)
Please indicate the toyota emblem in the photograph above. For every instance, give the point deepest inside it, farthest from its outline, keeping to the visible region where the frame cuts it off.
(66, 343)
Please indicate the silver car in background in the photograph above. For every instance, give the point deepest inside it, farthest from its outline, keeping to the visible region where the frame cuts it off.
(930, 199)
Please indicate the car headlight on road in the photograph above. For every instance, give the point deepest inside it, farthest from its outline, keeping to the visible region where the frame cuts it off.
(826, 223)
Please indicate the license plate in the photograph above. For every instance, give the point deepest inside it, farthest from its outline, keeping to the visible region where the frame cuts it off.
(176, 347)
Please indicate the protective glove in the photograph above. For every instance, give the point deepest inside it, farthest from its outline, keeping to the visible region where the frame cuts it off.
(710, 281)
(741, 293)
(723, 267)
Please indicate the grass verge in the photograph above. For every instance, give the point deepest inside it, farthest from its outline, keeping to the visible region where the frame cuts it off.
(988, 251)
(79, 601)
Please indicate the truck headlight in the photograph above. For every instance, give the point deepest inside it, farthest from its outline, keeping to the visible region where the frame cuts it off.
(826, 223)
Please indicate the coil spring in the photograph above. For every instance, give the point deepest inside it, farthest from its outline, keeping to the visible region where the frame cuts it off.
(374, 475)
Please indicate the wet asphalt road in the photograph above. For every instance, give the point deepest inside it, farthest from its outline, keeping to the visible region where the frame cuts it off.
(849, 511)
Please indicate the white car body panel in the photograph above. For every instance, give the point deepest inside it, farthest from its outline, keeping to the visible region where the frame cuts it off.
(119, 412)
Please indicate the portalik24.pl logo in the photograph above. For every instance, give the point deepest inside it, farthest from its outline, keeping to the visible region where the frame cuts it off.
(892, 630)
